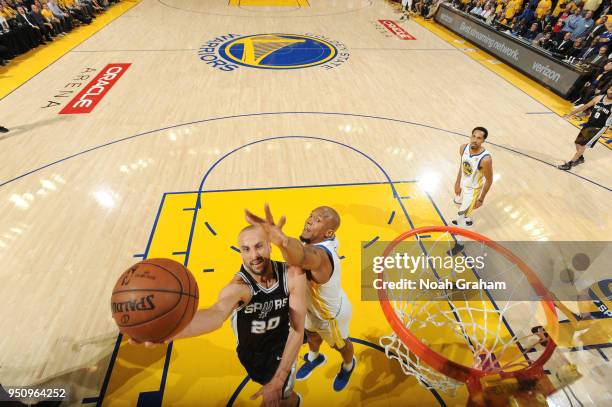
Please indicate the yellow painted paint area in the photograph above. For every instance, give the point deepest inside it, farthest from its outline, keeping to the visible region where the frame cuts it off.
(27, 65)
(270, 3)
(207, 368)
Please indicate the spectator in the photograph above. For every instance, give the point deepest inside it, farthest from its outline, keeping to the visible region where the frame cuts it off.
(545, 41)
(597, 29)
(527, 16)
(576, 49)
(531, 33)
(600, 59)
(64, 17)
(563, 5)
(477, 9)
(572, 21)
(557, 28)
(564, 45)
(598, 81)
(591, 5)
(46, 29)
(583, 26)
(50, 18)
(605, 37)
(33, 31)
(543, 8)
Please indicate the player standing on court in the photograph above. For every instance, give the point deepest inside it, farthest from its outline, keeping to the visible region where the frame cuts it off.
(328, 308)
(595, 127)
(474, 179)
(266, 300)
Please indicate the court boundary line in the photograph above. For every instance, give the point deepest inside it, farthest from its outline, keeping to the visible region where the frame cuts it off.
(244, 115)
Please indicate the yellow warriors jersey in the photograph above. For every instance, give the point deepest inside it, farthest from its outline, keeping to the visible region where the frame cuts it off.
(325, 300)
(471, 171)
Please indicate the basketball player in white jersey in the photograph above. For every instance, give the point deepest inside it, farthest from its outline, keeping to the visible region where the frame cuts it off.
(266, 301)
(474, 179)
(328, 311)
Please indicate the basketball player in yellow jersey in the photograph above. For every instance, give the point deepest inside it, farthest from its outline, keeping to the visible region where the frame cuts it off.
(474, 179)
(328, 311)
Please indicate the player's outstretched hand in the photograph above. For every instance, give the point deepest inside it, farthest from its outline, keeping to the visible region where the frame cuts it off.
(271, 393)
(274, 231)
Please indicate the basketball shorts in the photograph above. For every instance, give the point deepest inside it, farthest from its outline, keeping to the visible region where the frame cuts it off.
(468, 200)
(261, 367)
(588, 136)
(334, 331)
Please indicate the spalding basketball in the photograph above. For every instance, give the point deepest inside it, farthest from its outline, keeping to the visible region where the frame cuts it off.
(154, 300)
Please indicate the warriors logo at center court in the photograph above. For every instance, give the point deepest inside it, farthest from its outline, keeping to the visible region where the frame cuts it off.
(273, 51)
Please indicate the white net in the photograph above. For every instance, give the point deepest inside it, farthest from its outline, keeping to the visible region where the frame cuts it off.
(455, 310)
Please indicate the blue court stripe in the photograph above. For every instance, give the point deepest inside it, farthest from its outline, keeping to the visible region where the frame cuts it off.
(189, 209)
(391, 218)
(208, 270)
(423, 236)
(552, 165)
(109, 371)
(140, 255)
(210, 228)
(603, 355)
(404, 197)
(178, 253)
(371, 242)
(234, 248)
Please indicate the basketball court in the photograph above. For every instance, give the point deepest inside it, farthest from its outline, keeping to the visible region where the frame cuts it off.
(211, 110)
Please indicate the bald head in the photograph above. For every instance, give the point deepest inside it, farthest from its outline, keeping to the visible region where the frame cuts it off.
(254, 249)
(322, 224)
(331, 217)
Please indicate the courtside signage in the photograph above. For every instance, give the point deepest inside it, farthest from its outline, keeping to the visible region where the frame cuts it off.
(398, 31)
(95, 90)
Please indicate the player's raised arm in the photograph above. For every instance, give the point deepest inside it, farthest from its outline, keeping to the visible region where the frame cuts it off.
(294, 252)
(211, 319)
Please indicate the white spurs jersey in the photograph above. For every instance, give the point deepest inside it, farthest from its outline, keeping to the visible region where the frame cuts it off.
(471, 170)
(325, 300)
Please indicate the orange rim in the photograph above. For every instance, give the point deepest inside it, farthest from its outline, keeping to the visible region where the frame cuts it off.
(440, 363)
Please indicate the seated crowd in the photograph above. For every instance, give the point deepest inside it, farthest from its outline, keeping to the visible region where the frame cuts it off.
(574, 31)
(26, 24)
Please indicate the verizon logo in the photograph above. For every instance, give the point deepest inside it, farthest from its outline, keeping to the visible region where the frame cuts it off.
(95, 90)
(396, 29)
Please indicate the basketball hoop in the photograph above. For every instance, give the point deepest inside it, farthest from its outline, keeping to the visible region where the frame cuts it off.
(494, 347)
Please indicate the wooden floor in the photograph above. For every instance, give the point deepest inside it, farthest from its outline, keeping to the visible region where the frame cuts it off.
(85, 195)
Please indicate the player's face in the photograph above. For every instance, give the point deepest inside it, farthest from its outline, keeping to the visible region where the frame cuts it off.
(255, 251)
(315, 227)
(476, 139)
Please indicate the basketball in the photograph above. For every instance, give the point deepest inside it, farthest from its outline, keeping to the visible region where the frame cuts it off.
(154, 300)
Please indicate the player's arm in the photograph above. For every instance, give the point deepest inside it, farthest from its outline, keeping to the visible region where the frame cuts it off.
(458, 180)
(487, 170)
(272, 391)
(584, 107)
(211, 319)
(294, 252)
